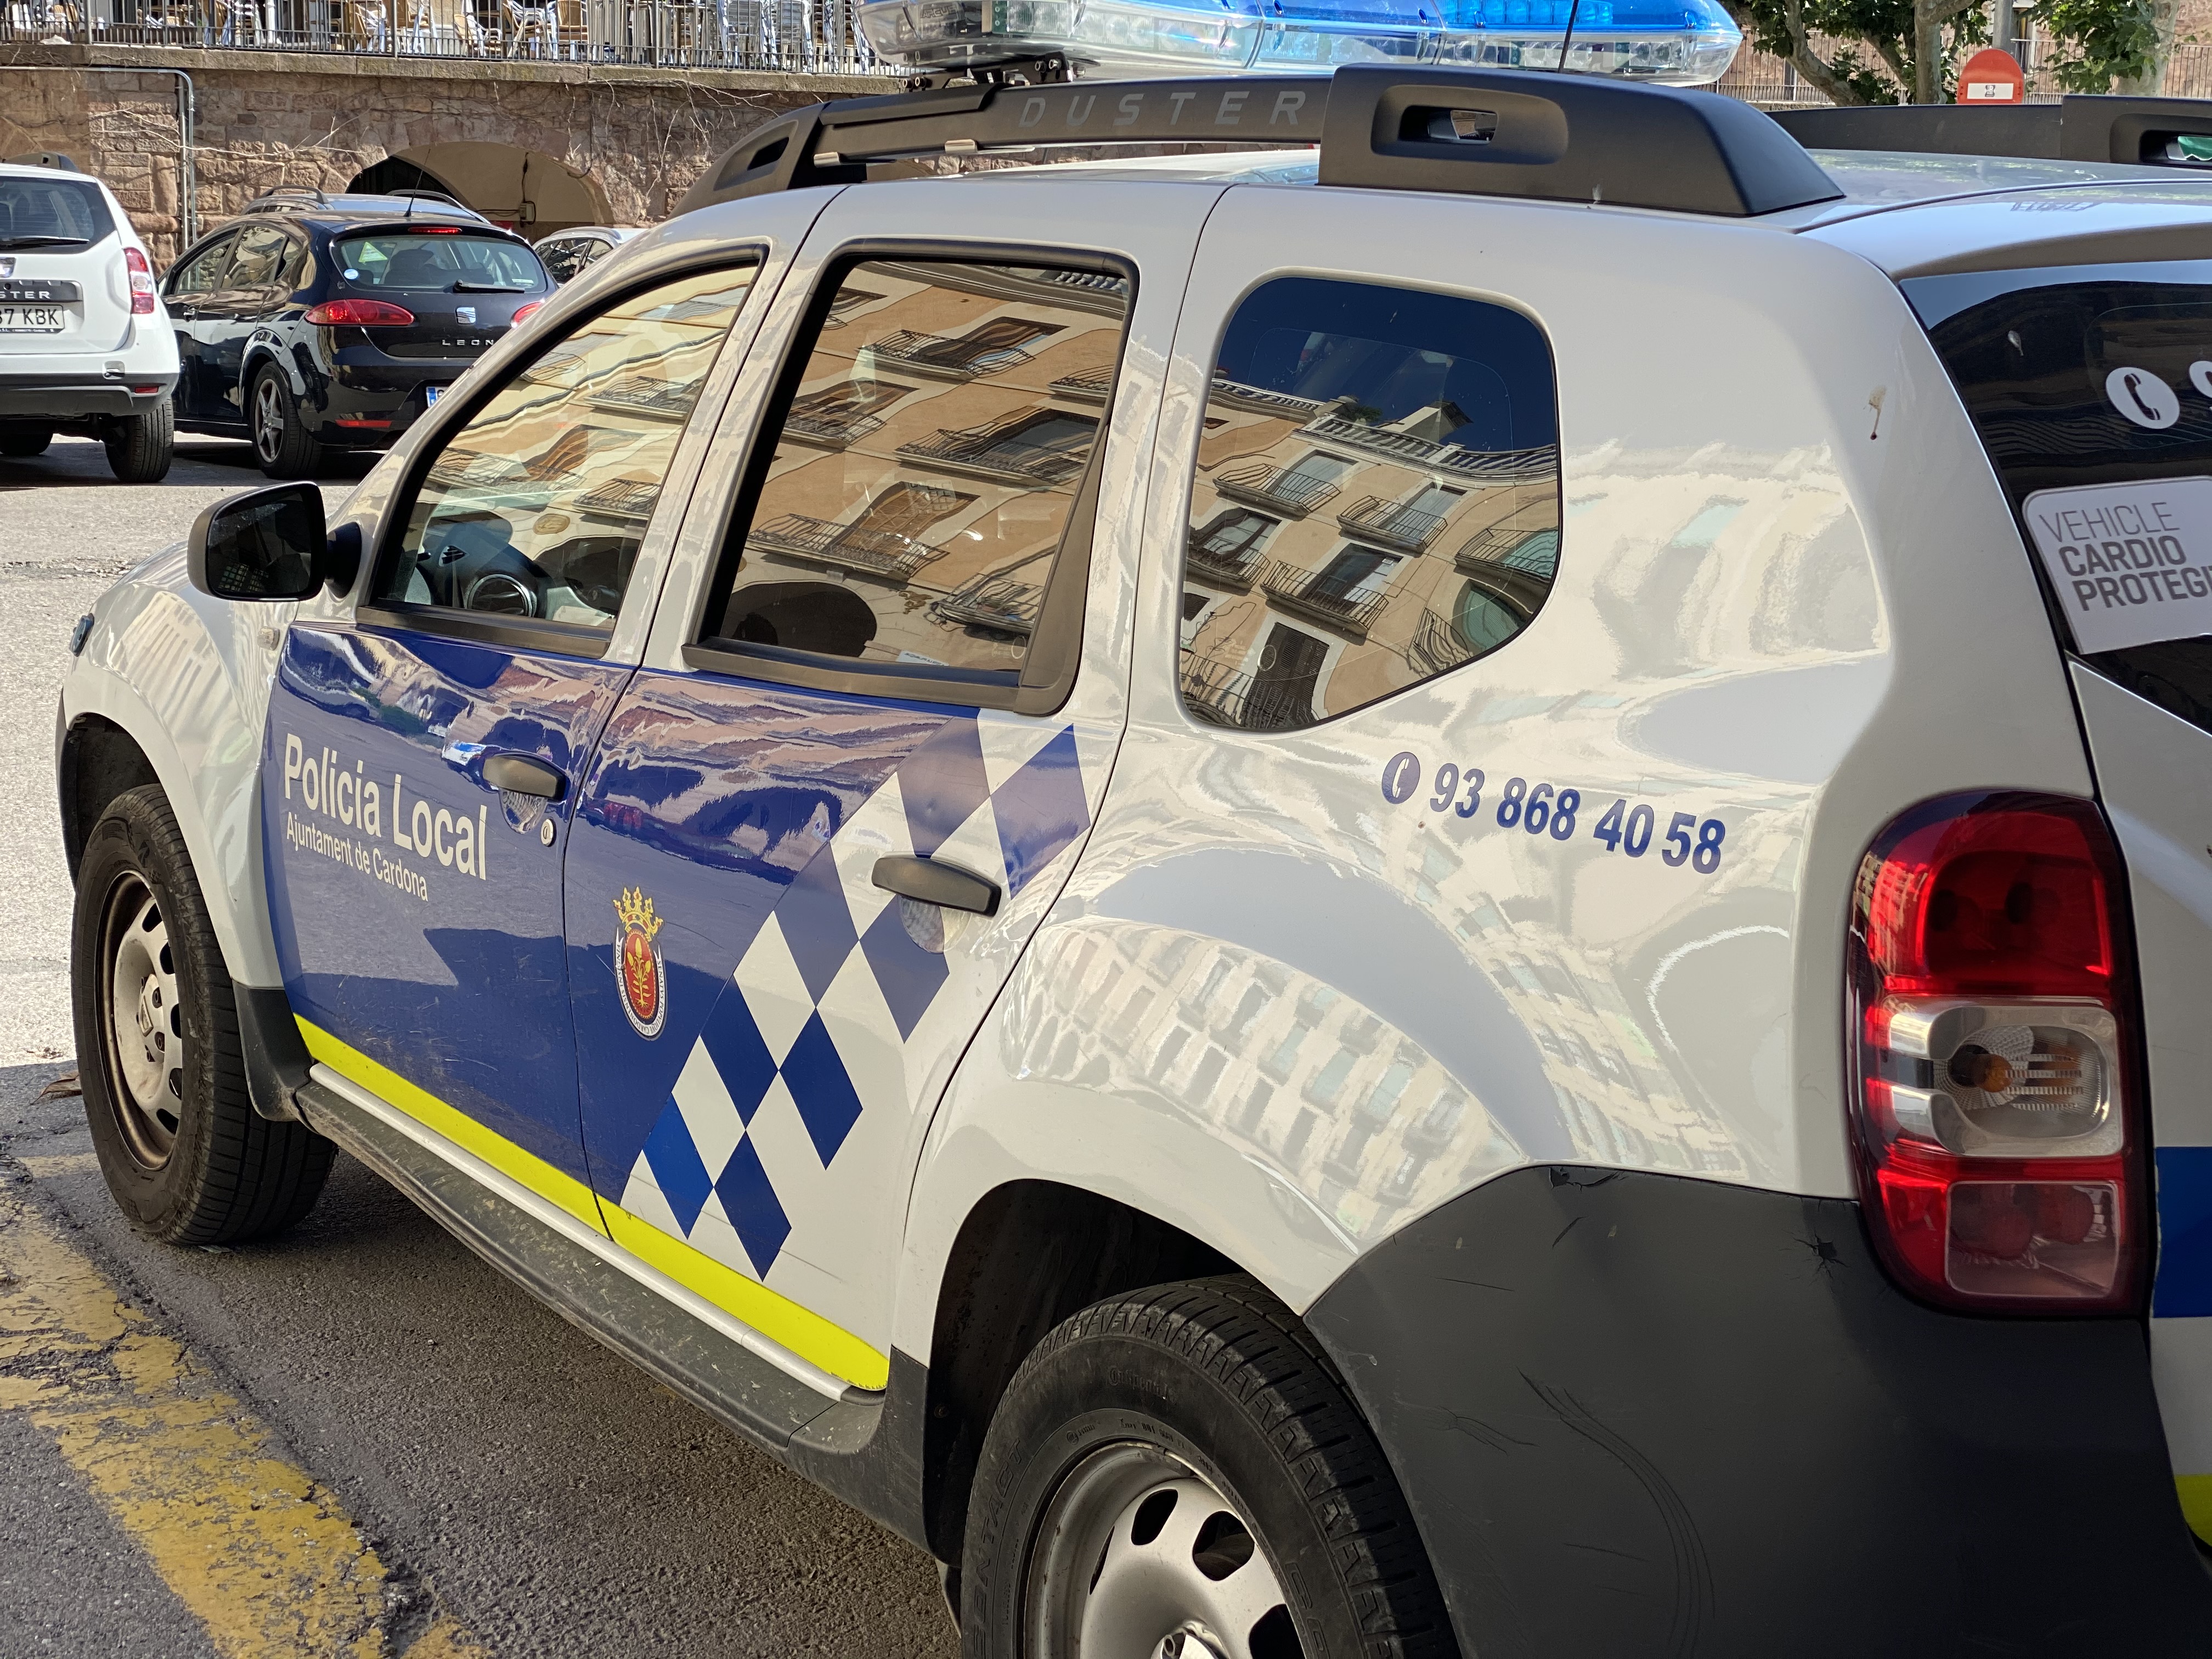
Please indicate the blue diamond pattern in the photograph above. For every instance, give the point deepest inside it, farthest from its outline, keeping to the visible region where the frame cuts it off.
(827, 1103)
(753, 1208)
(817, 925)
(909, 977)
(740, 1054)
(1041, 810)
(943, 782)
(678, 1169)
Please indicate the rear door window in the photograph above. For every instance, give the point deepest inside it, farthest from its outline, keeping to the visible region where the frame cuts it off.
(1376, 499)
(2091, 388)
(425, 262)
(934, 436)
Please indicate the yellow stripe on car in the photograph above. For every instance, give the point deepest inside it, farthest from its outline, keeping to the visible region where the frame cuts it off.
(2196, 1491)
(775, 1316)
(255, 1548)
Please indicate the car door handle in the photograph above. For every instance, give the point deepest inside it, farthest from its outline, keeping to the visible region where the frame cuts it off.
(523, 776)
(931, 883)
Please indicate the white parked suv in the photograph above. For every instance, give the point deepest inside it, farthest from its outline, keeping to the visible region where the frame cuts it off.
(1447, 894)
(85, 346)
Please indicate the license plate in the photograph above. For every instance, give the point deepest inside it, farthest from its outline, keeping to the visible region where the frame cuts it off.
(33, 319)
(430, 395)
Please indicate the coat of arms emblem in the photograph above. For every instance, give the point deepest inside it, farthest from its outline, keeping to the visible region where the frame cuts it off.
(639, 975)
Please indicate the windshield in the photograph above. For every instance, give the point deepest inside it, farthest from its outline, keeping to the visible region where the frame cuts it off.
(52, 213)
(426, 262)
(2091, 389)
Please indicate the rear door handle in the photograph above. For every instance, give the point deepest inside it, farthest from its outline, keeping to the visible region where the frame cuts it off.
(931, 883)
(523, 776)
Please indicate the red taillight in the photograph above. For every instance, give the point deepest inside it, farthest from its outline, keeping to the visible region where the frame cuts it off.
(141, 274)
(1993, 1031)
(360, 313)
(522, 313)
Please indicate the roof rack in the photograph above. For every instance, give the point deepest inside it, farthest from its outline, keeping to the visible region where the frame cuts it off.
(1513, 132)
(2144, 131)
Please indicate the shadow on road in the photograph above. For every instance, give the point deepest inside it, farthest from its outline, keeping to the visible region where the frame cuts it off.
(79, 462)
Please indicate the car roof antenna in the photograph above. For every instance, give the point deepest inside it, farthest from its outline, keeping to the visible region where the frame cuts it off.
(1568, 39)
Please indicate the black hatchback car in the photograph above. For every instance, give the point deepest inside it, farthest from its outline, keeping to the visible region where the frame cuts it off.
(316, 322)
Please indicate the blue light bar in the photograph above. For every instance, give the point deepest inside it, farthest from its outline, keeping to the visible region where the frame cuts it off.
(1677, 42)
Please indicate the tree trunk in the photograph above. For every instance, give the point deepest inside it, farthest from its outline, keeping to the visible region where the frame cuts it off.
(2165, 15)
(1928, 51)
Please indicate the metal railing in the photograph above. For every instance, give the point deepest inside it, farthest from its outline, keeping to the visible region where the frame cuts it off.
(1490, 465)
(1391, 524)
(1224, 567)
(882, 553)
(944, 356)
(1346, 606)
(630, 499)
(1089, 385)
(1000, 604)
(828, 431)
(1436, 647)
(1226, 696)
(798, 36)
(1278, 488)
(978, 454)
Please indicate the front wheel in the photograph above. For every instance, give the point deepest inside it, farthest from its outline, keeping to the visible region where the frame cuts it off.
(1179, 1474)
(281, 442)
(140, 446)
(159, 1057)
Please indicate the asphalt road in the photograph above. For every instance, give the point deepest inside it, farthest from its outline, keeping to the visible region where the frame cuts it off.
(519, 1485)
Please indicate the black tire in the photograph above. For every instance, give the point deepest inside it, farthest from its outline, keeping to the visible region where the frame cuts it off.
(215, 1172)
(140, 446)
(20, 439)
(281, 442)
(1219, 1379)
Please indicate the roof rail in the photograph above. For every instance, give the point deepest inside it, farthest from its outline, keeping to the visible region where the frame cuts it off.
(429, 196)
(53, 158)
(1487, 132)
(2145, 131)
(272, 201)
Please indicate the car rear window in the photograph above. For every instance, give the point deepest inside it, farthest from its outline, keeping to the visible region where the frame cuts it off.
(2091, 387)
(52, 213)
(429, 262)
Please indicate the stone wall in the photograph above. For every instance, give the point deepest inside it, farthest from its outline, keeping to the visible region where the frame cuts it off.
(637, 137)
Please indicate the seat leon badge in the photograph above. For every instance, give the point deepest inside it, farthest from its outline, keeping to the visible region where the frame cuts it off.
(639, 972)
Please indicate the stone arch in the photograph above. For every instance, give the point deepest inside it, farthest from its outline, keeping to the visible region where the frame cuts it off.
(525, 190)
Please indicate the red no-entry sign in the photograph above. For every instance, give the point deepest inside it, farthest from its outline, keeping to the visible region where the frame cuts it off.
(1992, 76)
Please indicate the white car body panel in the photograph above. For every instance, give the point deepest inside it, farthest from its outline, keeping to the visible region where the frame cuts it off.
(109, 333)
(1789, 688)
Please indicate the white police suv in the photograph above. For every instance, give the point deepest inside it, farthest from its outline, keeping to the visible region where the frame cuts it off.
(85, 345)
(1449, 896)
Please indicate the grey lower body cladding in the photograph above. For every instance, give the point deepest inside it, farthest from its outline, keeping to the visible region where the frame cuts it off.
(1643, 1415)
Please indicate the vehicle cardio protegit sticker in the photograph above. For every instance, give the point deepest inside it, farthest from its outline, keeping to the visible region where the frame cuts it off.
(2132, 562)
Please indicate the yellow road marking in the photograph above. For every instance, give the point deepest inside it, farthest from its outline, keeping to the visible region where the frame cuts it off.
(259, 1552)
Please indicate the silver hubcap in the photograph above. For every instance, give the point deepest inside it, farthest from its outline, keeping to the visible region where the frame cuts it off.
(145, 1022)
(1140, 1557)
(268, 418)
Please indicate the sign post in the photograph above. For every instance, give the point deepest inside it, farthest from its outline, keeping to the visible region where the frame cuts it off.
(1992, 76)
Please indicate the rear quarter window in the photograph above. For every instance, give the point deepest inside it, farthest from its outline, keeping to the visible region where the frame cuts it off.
(1377, 500)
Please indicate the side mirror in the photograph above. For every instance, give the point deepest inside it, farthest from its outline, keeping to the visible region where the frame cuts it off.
(270, 545)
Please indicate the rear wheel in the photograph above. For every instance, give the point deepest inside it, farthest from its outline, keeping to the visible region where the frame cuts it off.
(140, 446)
(282, 441)
(183, 1150)
(1178, 1473)
(24, 440)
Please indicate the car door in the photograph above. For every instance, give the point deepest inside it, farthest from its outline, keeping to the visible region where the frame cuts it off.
(226, 318)
(873, 727)
(422, 753)
(193, 284)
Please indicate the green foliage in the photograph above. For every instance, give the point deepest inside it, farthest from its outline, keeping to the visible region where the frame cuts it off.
(2104, 40)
